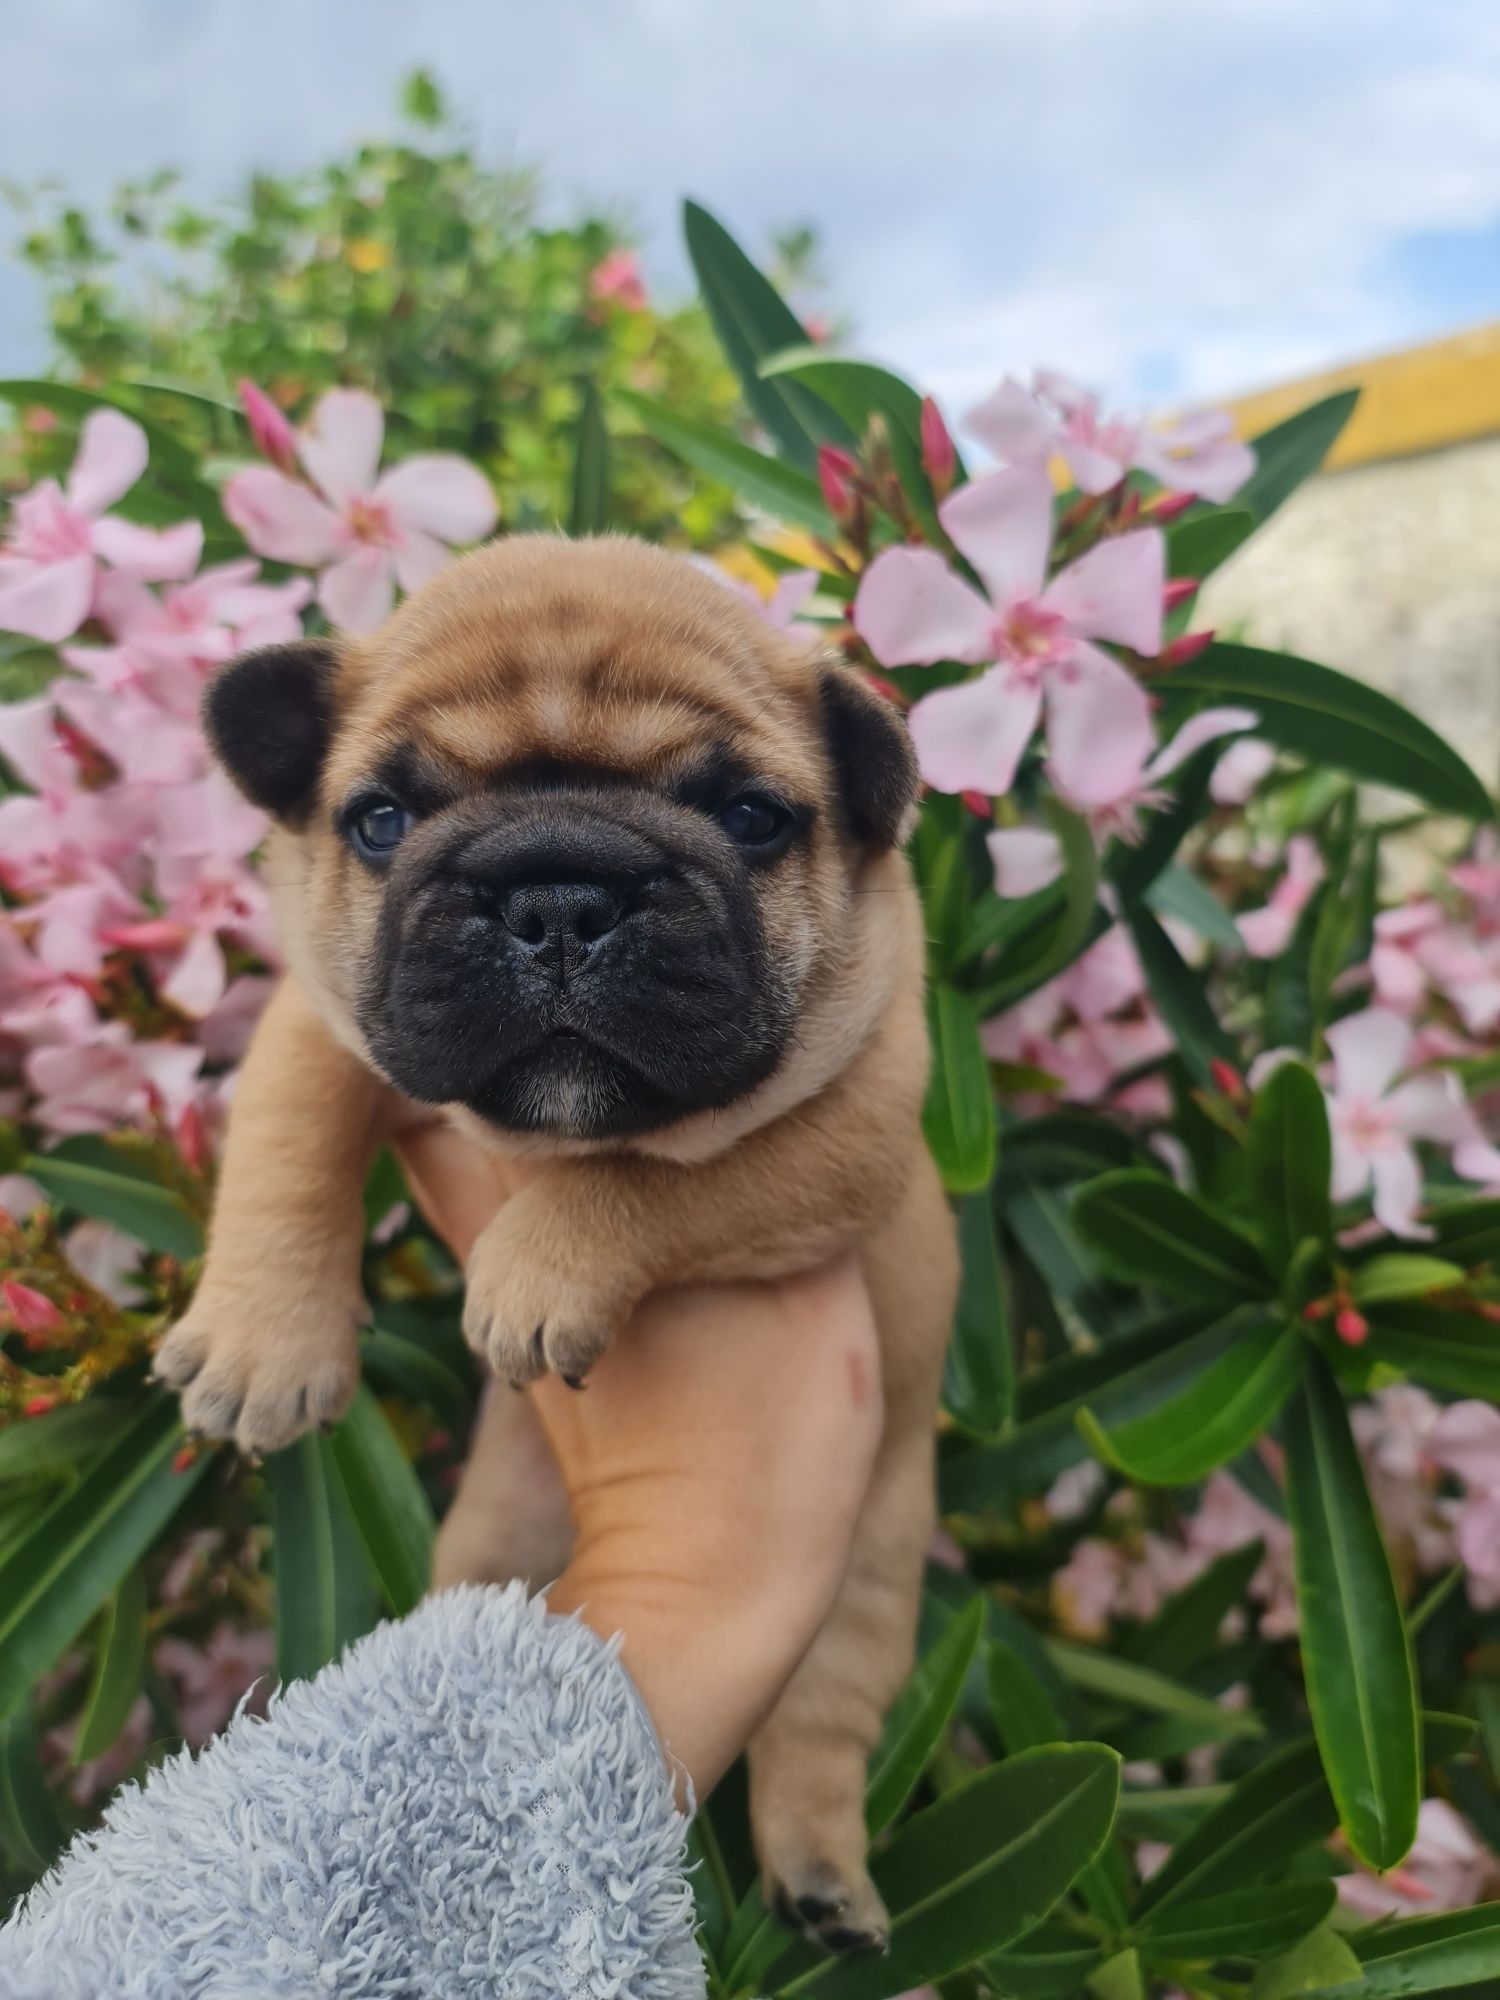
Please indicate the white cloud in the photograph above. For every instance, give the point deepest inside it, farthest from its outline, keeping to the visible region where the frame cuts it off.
(1167, 199)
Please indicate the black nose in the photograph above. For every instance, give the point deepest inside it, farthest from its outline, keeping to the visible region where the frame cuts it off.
(561, 919)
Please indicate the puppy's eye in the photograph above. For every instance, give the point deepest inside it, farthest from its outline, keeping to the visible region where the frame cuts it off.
(379, 829)
(754, 821)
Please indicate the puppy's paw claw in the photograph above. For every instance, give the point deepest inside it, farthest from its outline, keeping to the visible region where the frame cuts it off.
(841, 1913)
(261, 1373)
(530, 1314)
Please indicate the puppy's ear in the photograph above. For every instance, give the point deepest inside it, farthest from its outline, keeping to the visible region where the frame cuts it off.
(872, 756)
(269, 717)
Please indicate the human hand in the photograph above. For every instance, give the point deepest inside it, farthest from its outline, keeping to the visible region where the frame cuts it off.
(715, 1465)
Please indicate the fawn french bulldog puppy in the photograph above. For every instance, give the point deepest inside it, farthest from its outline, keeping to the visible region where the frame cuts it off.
(582, 851)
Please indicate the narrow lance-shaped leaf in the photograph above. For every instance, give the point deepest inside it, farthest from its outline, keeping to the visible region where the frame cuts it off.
(31, 1827)
(1445, 1953)
(1243, 1923)
(918, 1717)
(1337, 722)
(1292, 451)
(119, 1662)
(764, 482)
(1214, 1418)
(979, 1382)
(85, 1543)
(153, 1215)
(1288, 1159)
(1439, 1346)
(589, 511)
(1355, 1651)
(325, 1592)
(1151, 1232)
(979, 1869)
(754, 323)
(1027, 1719)
(958, 1117)
(390, 1512)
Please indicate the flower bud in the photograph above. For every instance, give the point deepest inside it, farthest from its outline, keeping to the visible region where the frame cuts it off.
(32, 1312)
(1351, 1327)
(836, 475)
(1227, 1079)
(1168, 507)
(1188, 647)
(939, 459)
(38, 1406)
(192, 1139)
(273, 434)
(1179, 589)
(978, 803)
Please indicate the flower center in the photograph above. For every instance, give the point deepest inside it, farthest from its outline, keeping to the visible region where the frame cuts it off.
(46, 529)
(1366, 1126)
(372, 522)
(1031, 637)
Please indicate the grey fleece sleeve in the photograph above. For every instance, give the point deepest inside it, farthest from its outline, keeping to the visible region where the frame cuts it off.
(471, 1803)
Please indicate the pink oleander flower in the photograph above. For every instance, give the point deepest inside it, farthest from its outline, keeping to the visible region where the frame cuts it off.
(112, 1080)
(780, 610)
(1419, 951)
(1087, 1027)
(363, 530)
(1465, 1441)
(1027, 858)
(1227, 1518)
(59, 535)
(1268, 931)
(1376, 1120)
(1448, 1868)
(1033, 637)
(211, 1680)
(1197, 454)
(617, 276)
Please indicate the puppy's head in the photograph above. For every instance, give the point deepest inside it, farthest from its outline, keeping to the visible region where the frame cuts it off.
(571, 842)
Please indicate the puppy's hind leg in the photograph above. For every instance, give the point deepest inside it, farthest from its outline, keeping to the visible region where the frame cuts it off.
(808, 1760)
(509, 1517)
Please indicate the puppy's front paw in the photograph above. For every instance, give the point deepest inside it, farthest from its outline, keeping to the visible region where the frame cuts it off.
(263, 1366)
(533, 1302)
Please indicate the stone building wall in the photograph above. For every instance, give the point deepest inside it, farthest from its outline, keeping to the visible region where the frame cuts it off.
(1390, 571)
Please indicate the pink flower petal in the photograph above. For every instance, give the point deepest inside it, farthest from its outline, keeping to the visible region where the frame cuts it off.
(1026, 859)
(1197, 459)
(1477, 1160)
(1239, 772)
(196, 983)
(790, 596)
(970, 737)
(358, 592)
(340, 445)
(418, 558)
(1432, 1107)
(441, 495)
(1002, 524)
(1398, 1191)
(1012, 424)
(155, 555)
(1098, 727)
(45, 600)
(112, 454)
(1368, 1051)
(912, 610)
(1093, 470)
(281, 518)
(1205, 727)
(1465, 1441)
(1115, 591)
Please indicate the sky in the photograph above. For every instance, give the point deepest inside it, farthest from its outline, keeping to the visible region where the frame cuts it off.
(1170, 200)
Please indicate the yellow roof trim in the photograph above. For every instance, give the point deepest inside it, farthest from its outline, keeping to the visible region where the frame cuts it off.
(1447, 392)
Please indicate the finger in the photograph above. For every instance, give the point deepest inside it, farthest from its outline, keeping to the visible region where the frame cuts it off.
(457, 1184)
